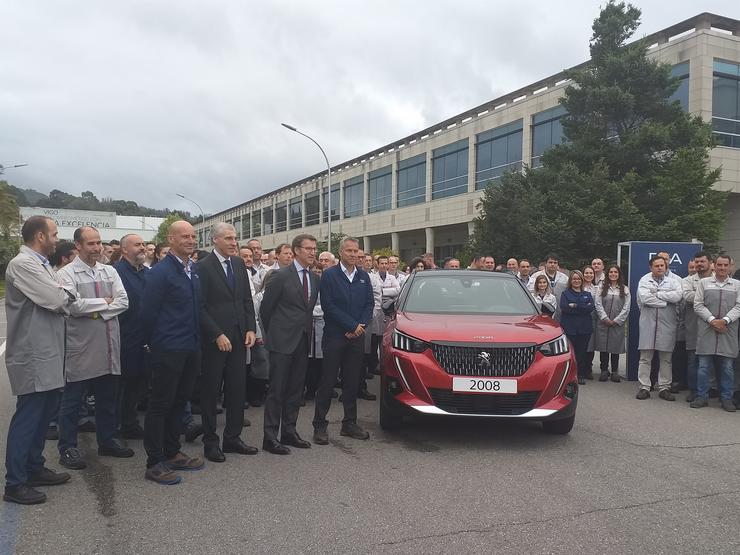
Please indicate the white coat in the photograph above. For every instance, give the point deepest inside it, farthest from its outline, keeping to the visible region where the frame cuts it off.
(717, 299)
(658, 301)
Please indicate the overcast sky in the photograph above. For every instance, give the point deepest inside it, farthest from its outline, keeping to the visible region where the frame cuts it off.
(144, 99)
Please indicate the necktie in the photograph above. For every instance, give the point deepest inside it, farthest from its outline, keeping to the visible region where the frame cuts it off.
(382, 276)
(305, 284)
(230, 274)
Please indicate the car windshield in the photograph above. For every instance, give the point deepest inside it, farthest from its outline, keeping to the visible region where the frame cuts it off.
(437, 293)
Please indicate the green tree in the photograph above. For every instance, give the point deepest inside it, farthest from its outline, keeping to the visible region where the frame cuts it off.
(634, 165)
(9, 226)
(164, 227)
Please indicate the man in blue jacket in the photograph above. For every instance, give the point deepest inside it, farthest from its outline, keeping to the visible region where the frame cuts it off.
(347, 301)
(171, 329)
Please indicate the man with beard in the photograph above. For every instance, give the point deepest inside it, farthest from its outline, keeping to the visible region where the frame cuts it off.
(134, 359)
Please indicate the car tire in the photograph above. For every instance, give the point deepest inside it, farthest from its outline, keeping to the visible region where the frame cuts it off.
(391, 417)
(559, 427)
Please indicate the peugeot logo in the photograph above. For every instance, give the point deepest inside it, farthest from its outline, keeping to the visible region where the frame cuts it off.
(484, 359)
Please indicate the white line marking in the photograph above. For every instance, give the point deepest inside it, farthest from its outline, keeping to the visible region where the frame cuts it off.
(2, 349)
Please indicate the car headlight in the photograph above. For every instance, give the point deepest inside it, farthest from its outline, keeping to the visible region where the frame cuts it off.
(404, 342)
(555, 347)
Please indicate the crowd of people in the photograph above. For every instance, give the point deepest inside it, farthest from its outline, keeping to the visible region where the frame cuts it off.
(120, 327)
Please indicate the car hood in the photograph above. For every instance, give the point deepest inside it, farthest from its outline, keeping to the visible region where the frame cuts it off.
(478, 328)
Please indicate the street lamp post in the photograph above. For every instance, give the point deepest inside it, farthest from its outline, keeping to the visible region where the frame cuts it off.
(328, 183)
(3, 168)
(202, 215)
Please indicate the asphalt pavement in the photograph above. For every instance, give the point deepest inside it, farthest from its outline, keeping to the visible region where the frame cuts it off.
(632, 477)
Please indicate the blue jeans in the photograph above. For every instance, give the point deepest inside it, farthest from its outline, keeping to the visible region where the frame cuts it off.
(726, 373)
(26, 435)
(105, 410)
(691, 370)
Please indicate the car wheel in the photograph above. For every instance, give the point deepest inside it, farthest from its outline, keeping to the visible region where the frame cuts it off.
(560, 427)
(390, 415)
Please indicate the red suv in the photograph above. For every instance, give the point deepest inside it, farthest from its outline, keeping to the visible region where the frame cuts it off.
(472, 343)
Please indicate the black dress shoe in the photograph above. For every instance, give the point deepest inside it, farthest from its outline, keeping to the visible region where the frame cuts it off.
(320, 437)
(294, 440)
(365, 394)
(23, 495)
(47, 477)
(87, 427)
(52, 433)
(192, 431)
(238, 446)
(213, 453)
(275, 447)
(116, 448)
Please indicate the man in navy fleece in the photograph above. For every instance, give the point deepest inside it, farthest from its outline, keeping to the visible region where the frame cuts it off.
(347, 301)
(170, 315)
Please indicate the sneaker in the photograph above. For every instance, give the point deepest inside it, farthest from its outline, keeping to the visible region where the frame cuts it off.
(691, 396)
(23, 495)
(728, 405)
(666, 395)
(354, 431)
(162, 474)
(604, 376)
(72, 459)
(47, 477)
(615, 377)
(116, 448)
(320, 437)
(642, 394)
(699, 403)
(181, 461)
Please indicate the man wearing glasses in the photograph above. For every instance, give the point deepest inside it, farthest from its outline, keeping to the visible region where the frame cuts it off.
(287, 317)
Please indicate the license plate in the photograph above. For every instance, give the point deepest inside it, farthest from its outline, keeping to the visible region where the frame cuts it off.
(484, 385)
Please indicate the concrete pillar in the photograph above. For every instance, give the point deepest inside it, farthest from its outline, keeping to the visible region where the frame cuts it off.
(527, 139)
(395, 243)
(429, 231)
(429, 165)
(366, 244)
(471, 229)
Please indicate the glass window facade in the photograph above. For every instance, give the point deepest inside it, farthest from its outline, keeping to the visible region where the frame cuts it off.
(267, 219)
(245, 231)
(497, 151)
(682, 92)
(726, 103)
(353, 189)
(237, 223)
(296, 212)
(281, 216)
(412, 181)
(546, 132)
(450, 170)
(335, 208)
(313, 205)
(379, 194)
(256, 223)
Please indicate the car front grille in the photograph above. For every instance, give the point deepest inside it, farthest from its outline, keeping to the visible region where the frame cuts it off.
(499, 362)
(484, 403)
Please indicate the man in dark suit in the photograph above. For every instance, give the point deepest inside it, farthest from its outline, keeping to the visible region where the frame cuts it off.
(227, 326)
(287, 317)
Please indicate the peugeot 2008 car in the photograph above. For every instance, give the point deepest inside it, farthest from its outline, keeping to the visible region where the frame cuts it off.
(474, 344)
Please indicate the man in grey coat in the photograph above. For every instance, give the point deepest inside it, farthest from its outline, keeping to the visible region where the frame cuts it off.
(93, 353)
(657, 298)
(689, 284)
(35, 305)
(717, 307)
